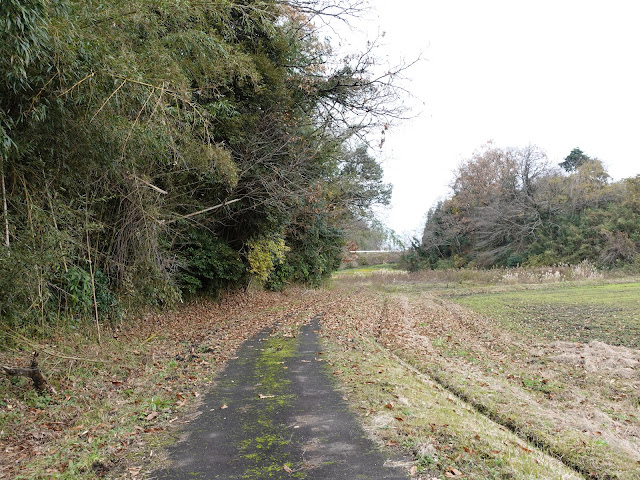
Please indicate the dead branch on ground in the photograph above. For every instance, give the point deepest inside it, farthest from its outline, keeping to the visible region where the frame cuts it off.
(33, 372)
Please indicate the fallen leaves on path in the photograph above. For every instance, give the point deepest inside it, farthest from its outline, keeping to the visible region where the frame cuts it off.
(154, 371)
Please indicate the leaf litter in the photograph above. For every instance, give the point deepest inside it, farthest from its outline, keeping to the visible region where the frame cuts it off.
(154, 373)
(149, 382)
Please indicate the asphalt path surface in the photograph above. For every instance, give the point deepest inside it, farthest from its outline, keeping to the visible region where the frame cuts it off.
(275, 413)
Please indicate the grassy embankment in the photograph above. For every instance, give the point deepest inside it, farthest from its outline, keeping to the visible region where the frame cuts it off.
(555, 363)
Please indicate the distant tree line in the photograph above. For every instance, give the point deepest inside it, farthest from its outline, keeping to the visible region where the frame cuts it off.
(371, 234)
(511, 206)
(152, 149)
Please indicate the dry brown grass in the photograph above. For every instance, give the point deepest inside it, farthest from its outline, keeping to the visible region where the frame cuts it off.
(407, 411)
(464, 276)
(581, 410)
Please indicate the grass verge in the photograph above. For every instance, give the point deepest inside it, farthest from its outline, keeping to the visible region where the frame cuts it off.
(578, 313)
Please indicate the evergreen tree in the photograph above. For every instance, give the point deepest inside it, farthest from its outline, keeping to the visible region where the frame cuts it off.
(574, 160)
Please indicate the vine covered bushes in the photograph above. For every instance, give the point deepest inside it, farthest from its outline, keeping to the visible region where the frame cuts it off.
(154, 148)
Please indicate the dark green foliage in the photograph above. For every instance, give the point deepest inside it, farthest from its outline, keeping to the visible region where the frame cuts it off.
(21, 282)
(78, 288)
(316, 248)
(279, 277)
(77, 283)
(574, 160)
(23, 37)
(358, 181)
(514, 260)
(207, 264)
(417, 258)
(105, 297)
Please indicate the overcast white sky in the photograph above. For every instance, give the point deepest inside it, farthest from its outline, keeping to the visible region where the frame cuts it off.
(559, 74)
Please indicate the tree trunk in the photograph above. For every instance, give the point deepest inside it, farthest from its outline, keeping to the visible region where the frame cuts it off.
(4, 208)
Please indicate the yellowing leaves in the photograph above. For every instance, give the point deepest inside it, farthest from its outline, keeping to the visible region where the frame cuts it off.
(265, 253)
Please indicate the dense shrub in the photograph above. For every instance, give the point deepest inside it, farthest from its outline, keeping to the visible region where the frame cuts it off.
(148, 148)
(207, 264)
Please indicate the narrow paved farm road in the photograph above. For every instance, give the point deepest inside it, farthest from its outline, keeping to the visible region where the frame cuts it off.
(275, 413)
